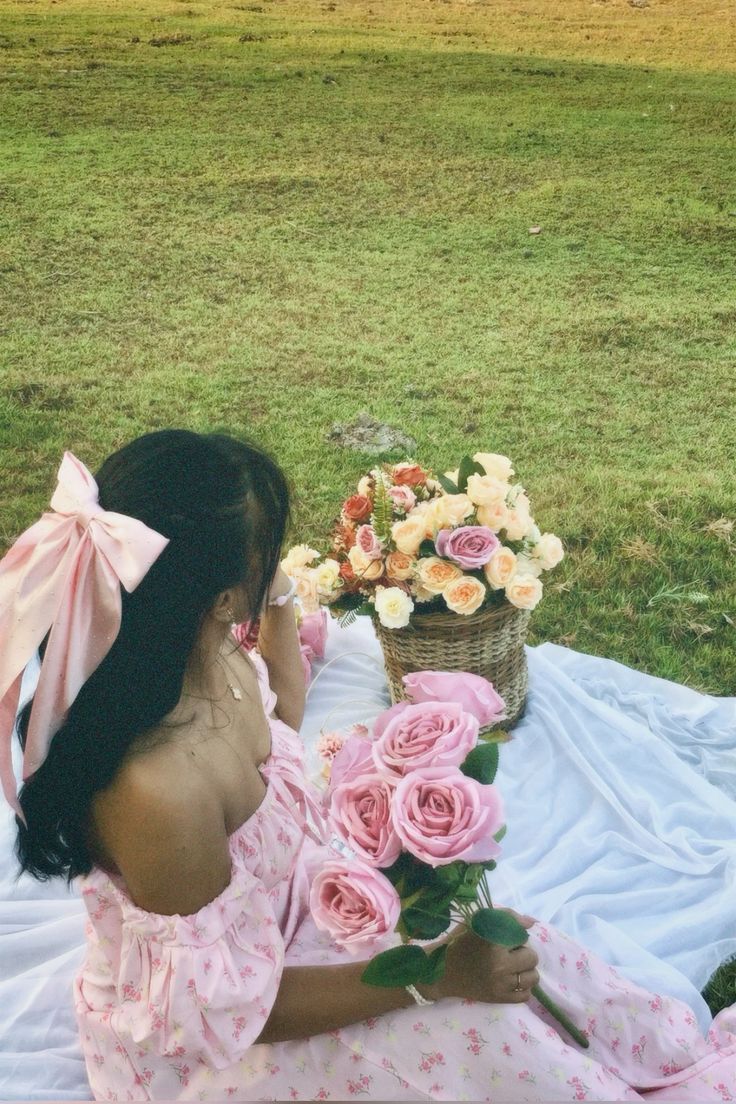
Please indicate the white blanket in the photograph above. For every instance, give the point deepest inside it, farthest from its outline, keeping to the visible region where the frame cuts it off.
(620, 794)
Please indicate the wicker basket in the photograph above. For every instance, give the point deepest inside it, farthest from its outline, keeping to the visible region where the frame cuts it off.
(489, 642)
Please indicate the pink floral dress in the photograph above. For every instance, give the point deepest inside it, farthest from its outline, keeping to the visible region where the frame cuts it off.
(170, 1007)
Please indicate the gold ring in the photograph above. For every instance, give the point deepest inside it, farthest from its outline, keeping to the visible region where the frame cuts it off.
(519, 987)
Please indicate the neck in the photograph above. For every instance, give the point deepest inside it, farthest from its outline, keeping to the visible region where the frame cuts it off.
(204, 675)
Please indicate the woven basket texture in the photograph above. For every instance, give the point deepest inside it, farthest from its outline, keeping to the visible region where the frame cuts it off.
(489, 642)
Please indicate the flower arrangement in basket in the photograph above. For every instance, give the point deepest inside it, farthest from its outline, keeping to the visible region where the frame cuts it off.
(448, 568)
(416, 825)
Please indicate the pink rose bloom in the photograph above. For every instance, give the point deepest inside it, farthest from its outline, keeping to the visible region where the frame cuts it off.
(427, 734)
(474, 693)
(353, 759)
(313, 631)
(388, 715)
(355, 903)
(441, 815)
(470, 546)
(403, 498)
(360, 814)
(368, 542)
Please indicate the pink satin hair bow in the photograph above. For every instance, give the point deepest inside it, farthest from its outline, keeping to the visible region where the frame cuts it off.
(63, 574)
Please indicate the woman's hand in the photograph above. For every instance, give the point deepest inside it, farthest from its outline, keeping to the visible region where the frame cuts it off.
(482, 971)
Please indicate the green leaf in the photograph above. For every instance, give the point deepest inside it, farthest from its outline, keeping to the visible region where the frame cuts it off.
(435, 965)
(447, 484)
(496, 926)
(396, 967)
(500, 834)
(482, 763)
(466, 892)
(467, 468)
(423, 923)
(451, 875)
(497, 736)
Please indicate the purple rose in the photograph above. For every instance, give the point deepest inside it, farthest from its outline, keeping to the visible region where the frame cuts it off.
(470, 546)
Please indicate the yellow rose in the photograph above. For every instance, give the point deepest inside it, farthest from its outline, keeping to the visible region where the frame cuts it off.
(494, 464)
(500, 568)
(306, 589)
(399, 565)
(434, 574)
(409, 533)
(494, 516)
(524, 591)
(393, 607)
(297, 557)
(484, 490)
(450, 510)
(425, 510)
(548, 551)
(464, 595)
(363, 567)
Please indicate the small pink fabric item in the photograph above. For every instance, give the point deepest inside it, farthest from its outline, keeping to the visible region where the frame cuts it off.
(63, 574)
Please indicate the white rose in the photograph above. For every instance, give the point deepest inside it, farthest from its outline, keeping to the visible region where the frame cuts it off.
(393, 607)
(365, 486)
(525, 565)
(548, 551)
(485, 490)
(494, 464)
(453, 475)
(297, 557)
(524, 591)
(501, 567)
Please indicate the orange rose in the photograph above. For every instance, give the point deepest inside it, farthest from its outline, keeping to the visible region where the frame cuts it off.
(358, 507)
(399, 565)
(408, 475)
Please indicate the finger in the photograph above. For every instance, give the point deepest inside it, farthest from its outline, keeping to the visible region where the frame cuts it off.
(523, 958)
(524, 920)
(524, 980)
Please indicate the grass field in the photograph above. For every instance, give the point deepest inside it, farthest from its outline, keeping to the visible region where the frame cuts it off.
(272, 216)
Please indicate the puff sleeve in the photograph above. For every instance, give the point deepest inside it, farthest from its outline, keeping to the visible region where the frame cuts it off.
(202, 984)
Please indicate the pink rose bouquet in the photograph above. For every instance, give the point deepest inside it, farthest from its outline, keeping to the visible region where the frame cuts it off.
(460, 541)
(417, 822)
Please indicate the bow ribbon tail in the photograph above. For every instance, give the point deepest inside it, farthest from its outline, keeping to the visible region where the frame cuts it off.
(8, 711)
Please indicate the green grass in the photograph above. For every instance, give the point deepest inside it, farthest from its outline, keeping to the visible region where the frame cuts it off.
(274, 235)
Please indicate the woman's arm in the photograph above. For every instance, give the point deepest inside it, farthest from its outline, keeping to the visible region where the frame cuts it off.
(278, 643)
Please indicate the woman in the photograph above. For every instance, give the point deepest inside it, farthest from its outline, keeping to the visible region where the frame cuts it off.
(163, 771)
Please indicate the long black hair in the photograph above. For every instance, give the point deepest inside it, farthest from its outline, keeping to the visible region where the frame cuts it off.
(224, 504)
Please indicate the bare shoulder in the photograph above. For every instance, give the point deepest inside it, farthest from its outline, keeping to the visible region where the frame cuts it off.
(167, 838)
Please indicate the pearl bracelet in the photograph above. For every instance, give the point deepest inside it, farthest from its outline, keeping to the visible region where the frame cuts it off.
(418, 998)
(284, 598)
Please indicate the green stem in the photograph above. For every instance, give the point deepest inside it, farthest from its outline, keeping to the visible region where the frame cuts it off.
(560, 1016)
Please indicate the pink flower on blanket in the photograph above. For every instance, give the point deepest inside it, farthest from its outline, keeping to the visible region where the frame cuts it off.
(473, 693)
(430, 733)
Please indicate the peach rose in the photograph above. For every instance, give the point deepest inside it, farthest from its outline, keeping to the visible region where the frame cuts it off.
(434, 574)
(495, 516)
(297, 557)
(519, 523)
(409, 533)
(399, 565)
(484, 490)
(500, 568)
(306, 589)
(494, 464)
(524, 591)
(365, 568)
(464, 595)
